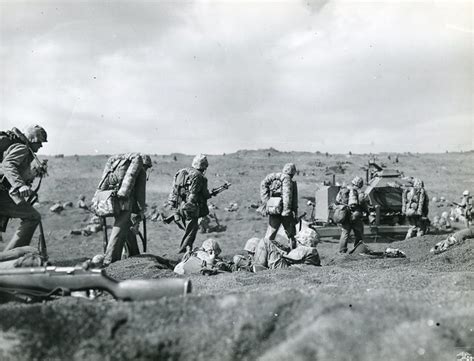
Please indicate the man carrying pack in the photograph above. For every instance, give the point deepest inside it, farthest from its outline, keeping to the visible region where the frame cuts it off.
(189, 197)
(125, 173)
(415, 207)
(349, 198)
(279, 196)
(16, 180)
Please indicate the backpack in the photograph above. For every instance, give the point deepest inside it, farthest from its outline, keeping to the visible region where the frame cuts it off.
(343, 196)
(7, 138)
(179, 188)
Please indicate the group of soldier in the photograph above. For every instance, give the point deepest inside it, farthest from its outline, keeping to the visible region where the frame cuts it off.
(125, 175)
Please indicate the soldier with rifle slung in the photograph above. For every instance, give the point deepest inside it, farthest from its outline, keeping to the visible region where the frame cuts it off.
(189, 197)
(16, 193)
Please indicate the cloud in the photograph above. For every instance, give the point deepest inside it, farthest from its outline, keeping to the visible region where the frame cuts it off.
(220, 76)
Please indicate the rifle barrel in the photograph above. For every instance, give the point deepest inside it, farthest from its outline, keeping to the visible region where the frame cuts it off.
(47, 279)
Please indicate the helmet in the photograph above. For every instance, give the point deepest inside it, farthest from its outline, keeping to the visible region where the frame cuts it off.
(444, 215)
(36, 134)
(200, 162)
(290, 169)
(358, 182)
(418, 183)
(211, 244)
(465, 193)
(146, 160)
(308, 237)
(251, 244)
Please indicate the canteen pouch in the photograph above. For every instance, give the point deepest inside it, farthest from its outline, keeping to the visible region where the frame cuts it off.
(275, 206)
(341, 213)
(105, 203)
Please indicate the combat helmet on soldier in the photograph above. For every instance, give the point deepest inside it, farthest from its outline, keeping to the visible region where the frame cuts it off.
(290, 169)
(147, 163)
(308, 237)
(36, 134)
(251, 245)
(358, 182)
(210, 245)
(200, 162)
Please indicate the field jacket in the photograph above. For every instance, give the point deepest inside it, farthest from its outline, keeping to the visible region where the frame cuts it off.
(16, 166)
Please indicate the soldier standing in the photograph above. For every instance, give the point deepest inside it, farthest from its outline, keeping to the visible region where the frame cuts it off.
(189, 197)
(466, 207)
(350, 197)
(279, 196)
(125, 173)
(415, 207)
(17, 178)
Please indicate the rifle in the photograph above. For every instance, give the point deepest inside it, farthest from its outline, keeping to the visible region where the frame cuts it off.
(105, 239)
(215, 191)
(135, 228)
(172, 218)
(299, 220)
(41, 240)
(44, 282)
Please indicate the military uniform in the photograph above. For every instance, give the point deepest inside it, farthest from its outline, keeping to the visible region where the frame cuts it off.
(354, 200)
(455, 238)
(269, 254)
(127, 174)
(415, 207)
(281, 185)
(17, 176)
(192, 204)
(466, 207)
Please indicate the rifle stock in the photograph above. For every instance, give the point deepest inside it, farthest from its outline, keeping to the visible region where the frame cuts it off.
(49, 279)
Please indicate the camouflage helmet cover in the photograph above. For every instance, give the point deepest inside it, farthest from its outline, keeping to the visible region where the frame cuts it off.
(251, 244)
(146, 160)
(358, 182)
(289, 168)
(200, 162)
(36, 134)
(211, 244)
(308, 237)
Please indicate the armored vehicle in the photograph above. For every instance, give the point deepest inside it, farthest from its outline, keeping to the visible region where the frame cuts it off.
(383, 194)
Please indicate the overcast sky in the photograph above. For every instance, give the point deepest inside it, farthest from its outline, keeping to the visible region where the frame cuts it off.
(213, 77)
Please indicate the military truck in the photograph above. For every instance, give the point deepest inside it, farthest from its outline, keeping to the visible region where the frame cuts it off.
(384, 192)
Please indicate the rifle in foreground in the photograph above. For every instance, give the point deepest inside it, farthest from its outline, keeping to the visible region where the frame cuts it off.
(44, 282)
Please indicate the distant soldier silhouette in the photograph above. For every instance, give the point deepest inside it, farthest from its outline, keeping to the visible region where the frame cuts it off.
(415, 207)
(354, 202)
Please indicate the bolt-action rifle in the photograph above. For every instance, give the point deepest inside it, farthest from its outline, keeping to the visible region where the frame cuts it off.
(45, 282)
(215, 191)
(176, 217)
(135, 228)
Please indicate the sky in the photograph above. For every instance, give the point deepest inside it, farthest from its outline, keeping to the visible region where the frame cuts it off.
(218, 76)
